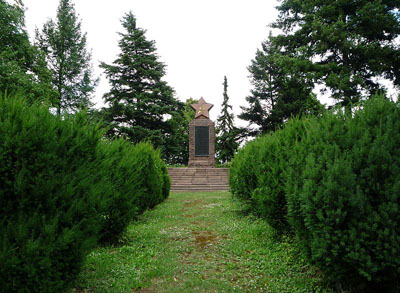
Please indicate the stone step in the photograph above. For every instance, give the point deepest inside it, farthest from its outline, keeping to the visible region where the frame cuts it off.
(198, 173)
(199, 185)
(199, 176)
(200, 188)
(202, 173)
(198, 182)
(197, 169)
(199, 179)
(207, 179)
(175, 179)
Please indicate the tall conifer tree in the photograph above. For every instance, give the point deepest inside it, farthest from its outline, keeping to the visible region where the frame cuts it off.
(140, 103)
(278, 91)
(345, 46)
(68, 58)
(227, 134)
(23, 68)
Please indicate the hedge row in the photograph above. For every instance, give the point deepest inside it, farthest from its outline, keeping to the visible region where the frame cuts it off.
(334, 182)
(63, 188)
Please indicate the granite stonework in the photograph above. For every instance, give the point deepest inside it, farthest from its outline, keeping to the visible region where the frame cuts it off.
(204, 157)
(201, 161)
(199, 179)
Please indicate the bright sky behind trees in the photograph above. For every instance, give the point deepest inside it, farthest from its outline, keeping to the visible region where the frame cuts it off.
(199, 41)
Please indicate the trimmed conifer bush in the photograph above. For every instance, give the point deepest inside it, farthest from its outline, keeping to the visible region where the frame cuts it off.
(135, 178)
(258, 173)
(48, 218)
(151, 179)
(344, 196)
(274, 159)
(243, 176)
(336, 181)
(117, 180)
(62, 189)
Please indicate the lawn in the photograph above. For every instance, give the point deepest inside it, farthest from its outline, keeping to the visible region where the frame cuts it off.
(202, 242)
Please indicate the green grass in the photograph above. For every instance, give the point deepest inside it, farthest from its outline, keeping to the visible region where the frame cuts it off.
(177, 166)
(199, 242)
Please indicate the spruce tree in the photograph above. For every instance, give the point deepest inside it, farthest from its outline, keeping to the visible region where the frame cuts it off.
(139, 103)
(227, 134)
(23, 68)
(68, 58)
(278, 92)
(345, 46)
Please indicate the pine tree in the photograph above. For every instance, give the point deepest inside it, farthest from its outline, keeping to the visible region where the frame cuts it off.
(227, 134)
(139, 101)
(346, 46)
(279, 92)
(68, 58)
(23, 68)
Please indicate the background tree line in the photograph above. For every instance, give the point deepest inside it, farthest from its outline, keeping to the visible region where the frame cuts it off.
(57, 68)
(344, 48)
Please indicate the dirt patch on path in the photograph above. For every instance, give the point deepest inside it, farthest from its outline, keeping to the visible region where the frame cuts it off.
(188, 204)
(204, 238)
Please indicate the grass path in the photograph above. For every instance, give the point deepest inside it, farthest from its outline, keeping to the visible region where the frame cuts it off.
(198, 242)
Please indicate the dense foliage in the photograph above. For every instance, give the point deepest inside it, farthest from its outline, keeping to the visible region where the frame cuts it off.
(262, 185)
(243, 177)
(48, 215)
(176, 148)
(345, 46)
(23, 68)
(68, 59)
(132, 179)
(334, 182)
(344, 196)
(62, 189)
(278, 93)
(346, 49)
(139, 103)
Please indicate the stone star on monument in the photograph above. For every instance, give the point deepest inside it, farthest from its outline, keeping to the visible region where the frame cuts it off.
(202, 108)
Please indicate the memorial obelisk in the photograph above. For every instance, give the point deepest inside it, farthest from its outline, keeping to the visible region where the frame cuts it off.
(202, 137)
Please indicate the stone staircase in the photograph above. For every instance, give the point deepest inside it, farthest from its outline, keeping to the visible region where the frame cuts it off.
(199, 179)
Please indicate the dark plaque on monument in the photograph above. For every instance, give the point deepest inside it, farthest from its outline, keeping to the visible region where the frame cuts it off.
(201, 137)
(201, 141)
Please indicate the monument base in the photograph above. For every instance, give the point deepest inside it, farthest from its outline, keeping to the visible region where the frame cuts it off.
(201, 164)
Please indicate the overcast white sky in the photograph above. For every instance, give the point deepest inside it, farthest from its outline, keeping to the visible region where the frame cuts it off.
(199, 41)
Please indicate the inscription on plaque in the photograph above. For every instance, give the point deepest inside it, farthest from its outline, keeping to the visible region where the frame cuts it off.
(202, 141)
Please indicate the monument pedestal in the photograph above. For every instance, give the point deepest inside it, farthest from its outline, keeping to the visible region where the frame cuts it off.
(201, 143)
(201, 137)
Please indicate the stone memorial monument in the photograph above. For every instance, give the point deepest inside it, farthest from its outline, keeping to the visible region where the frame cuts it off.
(202, 137)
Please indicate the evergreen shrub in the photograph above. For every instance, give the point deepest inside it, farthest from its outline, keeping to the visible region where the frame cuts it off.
(48, 214)
(344, 196)
(62, 189)
(274, 160)
(258, 173)
(135, 179)
(335, 182)
(243, 176)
